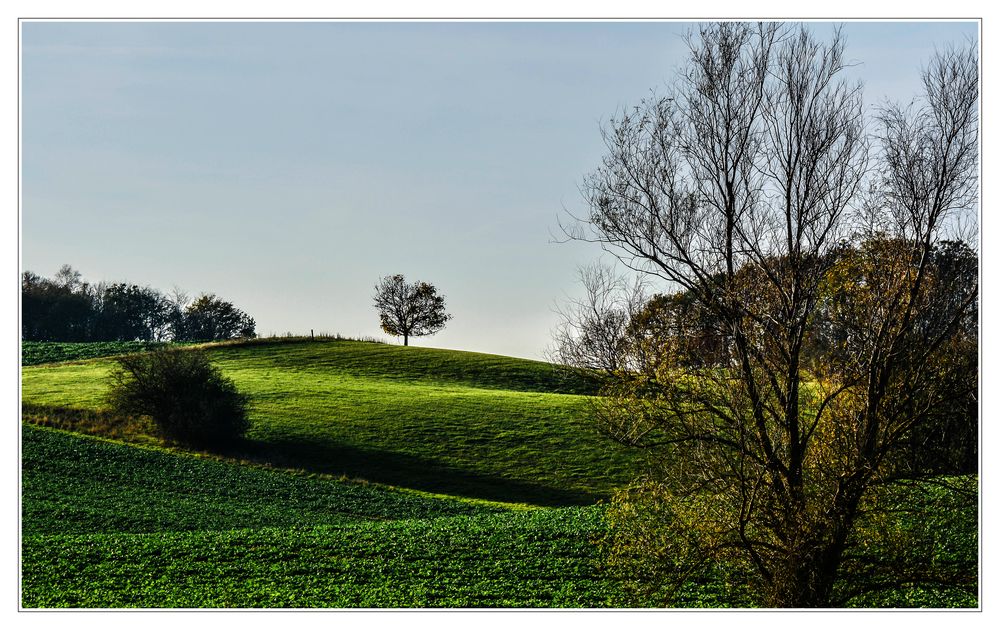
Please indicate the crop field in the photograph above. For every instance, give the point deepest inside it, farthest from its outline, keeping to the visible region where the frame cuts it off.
(541, 558)
(80, 485)
(38, 352)
(373, 476)
(111, 525)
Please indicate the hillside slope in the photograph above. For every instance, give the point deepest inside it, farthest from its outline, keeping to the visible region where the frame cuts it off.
(443, 421)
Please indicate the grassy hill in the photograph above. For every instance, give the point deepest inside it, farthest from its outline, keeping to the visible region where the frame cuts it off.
(110, 524)
(443, 421)
(485, 469)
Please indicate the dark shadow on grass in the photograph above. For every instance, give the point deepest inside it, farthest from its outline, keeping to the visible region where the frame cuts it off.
(379, 466)
(406, 471)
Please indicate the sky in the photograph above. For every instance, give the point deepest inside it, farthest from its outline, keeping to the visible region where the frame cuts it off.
(287, 166)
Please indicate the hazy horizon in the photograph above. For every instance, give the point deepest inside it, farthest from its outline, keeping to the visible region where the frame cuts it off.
(287, 166)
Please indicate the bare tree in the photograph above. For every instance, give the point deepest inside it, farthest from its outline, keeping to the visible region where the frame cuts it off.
(409, 310)
(179, 297)
(593, 331)
(744, 189)
(68, 278)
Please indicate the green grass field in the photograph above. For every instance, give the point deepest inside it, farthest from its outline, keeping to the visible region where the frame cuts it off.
(442, 421)
(439, 436)
(373, 476)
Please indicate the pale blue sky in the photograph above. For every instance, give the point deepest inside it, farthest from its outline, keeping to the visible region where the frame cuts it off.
(286, 166)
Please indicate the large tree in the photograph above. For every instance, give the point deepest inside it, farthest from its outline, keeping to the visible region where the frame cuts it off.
(741, 188)
(409, 309)
(58, 309)
(210, 318)
(130, 312)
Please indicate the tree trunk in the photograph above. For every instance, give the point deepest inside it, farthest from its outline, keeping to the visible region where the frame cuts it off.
(810, 574)
(807, 584)
(406, 339)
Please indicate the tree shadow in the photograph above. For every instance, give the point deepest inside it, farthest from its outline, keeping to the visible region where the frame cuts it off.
(407, 471)
(353, 462)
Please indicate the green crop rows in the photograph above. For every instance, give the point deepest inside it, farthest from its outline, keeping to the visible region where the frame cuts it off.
(475, 468)
(108, 525)
(185, 532)
(539, 558)
(83, 485)
(39, 352)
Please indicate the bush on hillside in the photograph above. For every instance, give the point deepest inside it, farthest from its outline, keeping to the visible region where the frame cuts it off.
(188, 398)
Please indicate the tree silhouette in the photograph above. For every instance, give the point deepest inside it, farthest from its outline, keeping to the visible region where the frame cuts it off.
(409, 310)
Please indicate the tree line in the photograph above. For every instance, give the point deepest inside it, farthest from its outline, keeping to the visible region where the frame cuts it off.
(67, 308)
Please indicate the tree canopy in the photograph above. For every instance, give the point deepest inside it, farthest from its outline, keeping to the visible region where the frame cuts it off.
(409, 309)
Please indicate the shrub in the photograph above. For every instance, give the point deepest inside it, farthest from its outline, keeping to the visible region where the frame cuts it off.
(188, 398)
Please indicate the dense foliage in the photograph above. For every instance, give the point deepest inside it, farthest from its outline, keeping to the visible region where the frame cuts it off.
(66, 308)
(188, 398)
(676, 330)
(209, 318)
(916, 544)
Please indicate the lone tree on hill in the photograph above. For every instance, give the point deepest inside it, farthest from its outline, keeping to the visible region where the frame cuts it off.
(409, 310)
